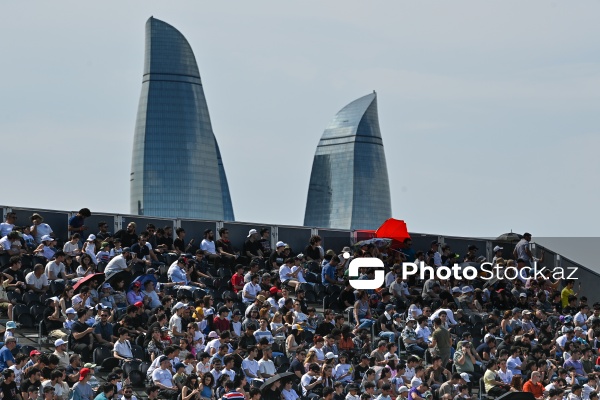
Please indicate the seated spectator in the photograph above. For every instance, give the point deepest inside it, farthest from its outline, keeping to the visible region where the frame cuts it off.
(534, 386)
(225, 248)
(72, 248)
(86, 266)
(119, 263)
(89, 248)
(39, 228)
(252, 246)
(36, 280)
(103, 256)
(493, 385)
(55, 269)
(11, 244)
(208, 245)
(8, 225)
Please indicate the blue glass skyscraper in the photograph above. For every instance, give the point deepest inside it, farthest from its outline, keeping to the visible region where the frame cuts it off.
(177, 170)
(349, 187)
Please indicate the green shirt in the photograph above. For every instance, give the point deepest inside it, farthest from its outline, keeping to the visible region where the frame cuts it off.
(443, 340)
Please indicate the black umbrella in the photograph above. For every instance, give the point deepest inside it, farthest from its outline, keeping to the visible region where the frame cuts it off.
(509, 237)
(276, 378)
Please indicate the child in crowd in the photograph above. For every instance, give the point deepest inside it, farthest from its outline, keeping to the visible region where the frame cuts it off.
(71, 319)
(29, 240)
(89, 247)
(71, 248)
(117, 250)
(10, 327)
(104, 254)
(106, 297)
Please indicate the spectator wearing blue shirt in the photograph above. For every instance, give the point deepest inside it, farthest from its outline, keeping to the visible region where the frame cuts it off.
(6, 358)
(328, 275)
(177, 273)
(76, 221)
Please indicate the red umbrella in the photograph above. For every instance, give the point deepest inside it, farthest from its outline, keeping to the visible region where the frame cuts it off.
(394, 229)
(86, 279)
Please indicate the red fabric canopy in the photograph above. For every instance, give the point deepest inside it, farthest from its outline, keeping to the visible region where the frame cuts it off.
(394, 229)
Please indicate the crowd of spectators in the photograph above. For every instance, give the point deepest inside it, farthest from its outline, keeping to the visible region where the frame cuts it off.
(209, 321)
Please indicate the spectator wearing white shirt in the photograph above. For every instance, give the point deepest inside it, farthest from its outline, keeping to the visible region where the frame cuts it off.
(36, 280)
(7, 226)
(119, 263)
(71, 248)
(163, 378)
(122, 347)
(298, 268)
(55, 269)
(266, 367)
(250, 365)
(263, 331)
(423, 330)
(208, 245)
(287, 276)
(449, 314)
(582, 316)
(504, 373)
(251, 290)
(390, 277)
(39, 229)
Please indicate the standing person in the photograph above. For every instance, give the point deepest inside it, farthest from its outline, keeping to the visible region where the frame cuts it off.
(441, 341)
(523, 250)
(76, 222)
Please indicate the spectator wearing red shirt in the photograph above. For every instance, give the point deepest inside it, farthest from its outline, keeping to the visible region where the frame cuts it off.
(220, 322)
(237, 280)
(534, 386)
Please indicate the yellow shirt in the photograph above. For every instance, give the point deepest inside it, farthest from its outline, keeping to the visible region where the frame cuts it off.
(564, 296)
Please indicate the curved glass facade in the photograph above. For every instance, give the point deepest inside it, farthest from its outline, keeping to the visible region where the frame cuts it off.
(349, 187)
(177, 170)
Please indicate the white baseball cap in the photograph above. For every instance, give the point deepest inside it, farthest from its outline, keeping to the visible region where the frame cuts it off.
(465, 376)
(498, 248)
(252, 232)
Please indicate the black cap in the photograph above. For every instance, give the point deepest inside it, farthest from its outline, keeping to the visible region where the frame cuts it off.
(473, 247)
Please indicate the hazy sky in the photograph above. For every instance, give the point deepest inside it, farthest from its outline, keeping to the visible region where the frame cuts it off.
(488, 110)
